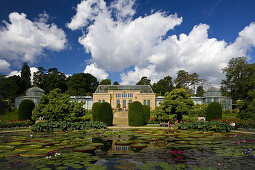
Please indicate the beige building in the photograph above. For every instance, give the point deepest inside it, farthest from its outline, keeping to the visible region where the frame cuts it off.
(124, 94)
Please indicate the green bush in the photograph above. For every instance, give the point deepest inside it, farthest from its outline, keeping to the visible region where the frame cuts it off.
(25, 109)
(57, 106)
(216, 126)
(146, 110)
(135, 114)
(15, 123)
(95, 115)
(105, 113)
(158, 115)
(214, 111)
(199, 110)
(65, 126)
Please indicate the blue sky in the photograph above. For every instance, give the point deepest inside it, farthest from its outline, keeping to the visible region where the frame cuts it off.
(125, 40)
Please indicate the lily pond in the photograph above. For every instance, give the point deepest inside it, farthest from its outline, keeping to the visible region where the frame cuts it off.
(127, 149)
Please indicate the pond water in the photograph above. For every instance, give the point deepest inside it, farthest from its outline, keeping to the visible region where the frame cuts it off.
(129, 149)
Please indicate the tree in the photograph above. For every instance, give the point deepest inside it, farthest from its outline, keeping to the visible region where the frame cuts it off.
(240, 78)
(105, 82)
(39, 77)
(82, 84)
(116, 83)
(247, 107)
(177, 102)
(26, 75)
(144, 81)
(57, 106)
(163, 86)
(200, 91)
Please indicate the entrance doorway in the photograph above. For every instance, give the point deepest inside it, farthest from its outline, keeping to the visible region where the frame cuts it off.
(124, 104)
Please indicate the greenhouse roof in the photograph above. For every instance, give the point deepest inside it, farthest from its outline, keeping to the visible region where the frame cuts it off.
(141, 88)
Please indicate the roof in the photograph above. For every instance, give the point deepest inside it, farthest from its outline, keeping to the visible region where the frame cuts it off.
(141, 88)
(37, 89)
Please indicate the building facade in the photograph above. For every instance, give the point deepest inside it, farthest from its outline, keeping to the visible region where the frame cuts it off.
(88, 100)
(123, 94)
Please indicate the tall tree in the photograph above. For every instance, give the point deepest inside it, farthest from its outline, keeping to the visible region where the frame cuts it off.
(82, 84)
(200, 91)
(26, 75)
(144, 81)
(116, 83)
(106, 82)
(39, 77)
(182, 79)
(240, 78)
(163, 85)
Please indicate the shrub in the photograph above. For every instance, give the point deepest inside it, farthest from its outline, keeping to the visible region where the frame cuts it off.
(135, 114)
(105, 113)
(25, 109)
(15, 123)
(56, 106)
(146, 110)
(214, 111)
(95, 115)
(199, 110)
(158, 115)
(64, 126)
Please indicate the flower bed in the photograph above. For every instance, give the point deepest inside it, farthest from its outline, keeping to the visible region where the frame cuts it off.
(245, 124)
(15, 123)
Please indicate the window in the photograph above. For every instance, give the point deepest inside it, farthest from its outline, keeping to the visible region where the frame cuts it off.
(122, 95)
(103, 101)
(144, 102)
(149, 103)
(116, 95)
(130, 101)
(118, 102)
(124, 104)
(99, 101)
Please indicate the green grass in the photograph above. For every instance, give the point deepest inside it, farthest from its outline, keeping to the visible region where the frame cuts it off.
(9, 116)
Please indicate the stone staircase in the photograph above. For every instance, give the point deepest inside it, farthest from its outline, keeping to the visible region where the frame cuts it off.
(120, 118)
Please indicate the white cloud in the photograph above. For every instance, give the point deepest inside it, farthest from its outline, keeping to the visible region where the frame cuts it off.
(99, 73)
(4, 66)
(22, 40)
(18, 73)
(117, 41)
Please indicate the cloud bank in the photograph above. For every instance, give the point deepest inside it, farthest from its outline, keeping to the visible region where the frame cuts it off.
(22, 40)
(117, 41)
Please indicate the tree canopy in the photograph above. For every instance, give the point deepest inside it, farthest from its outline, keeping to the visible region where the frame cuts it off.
(163, 85)
(116, 83)
(26, 75)
(106, 82)
(144, 81)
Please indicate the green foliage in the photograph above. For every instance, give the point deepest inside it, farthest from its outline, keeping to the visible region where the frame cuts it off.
(163, 86)
(199, 110)
(144, 81)
(82, 84)
(57, 107)
(116, 83)
(135, 114)
(25, 75)
(247, 107)
(177, 102)
(200, 91)
(64, 126)
(214, 111)
(158, 115)
(105, 113)
(106, 82)
(95, 114)
(216, 126)
(184, 79)
(146, 110)
(15, 123)
(4, 107)
(25, 109)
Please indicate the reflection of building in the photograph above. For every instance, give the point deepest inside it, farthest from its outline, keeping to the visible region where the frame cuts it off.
(34, 94)
(124, 94)
(214, 95)
(88, 100)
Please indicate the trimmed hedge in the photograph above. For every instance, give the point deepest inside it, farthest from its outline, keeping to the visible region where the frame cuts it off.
(216, 126)
(64, 126)
(214, 111)
(146, 110)
(135, 114)
(105, 113)
(95, 115)
(25, 109)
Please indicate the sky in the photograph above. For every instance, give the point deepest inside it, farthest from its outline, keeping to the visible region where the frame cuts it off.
(124, 40)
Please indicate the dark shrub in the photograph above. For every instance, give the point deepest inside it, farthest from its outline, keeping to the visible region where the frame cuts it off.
(214, 111)
(25, 109)
(95, 115)
(105, 113)
(146, 111)
(135, 114)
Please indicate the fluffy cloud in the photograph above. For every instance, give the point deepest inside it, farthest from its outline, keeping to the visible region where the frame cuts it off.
(4, 66)
(18, 73)
(99, 73)
(117, 41)
(23, 40)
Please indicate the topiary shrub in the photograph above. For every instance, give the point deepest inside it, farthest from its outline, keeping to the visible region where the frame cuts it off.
(214, 111)
(105, 114)
(135, 114)
(25, 109)
(146, 111)
(95, 115)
